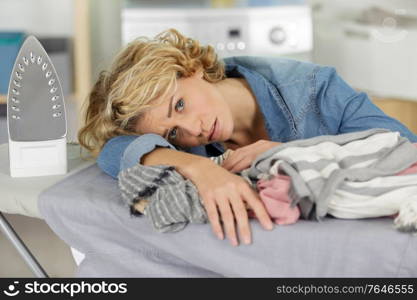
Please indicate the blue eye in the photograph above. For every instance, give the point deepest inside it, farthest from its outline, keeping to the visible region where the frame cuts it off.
(180, 104)
(172, 134)
(178, 107)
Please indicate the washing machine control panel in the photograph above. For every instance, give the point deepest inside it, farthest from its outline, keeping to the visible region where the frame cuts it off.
(232, 32)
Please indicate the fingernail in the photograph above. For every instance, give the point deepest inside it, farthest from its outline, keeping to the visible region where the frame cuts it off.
(270, 226)
(220, 236)
(246, 241)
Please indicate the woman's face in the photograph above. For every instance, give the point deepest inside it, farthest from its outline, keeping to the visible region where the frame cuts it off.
(188, 115)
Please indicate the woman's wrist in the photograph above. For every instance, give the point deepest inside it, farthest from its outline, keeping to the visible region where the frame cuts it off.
(194, 168)
(187, 164)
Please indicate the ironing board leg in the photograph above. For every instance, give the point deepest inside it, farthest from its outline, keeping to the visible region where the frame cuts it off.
(21, 248)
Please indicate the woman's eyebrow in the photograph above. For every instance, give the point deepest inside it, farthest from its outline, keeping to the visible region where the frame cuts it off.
(169, 116)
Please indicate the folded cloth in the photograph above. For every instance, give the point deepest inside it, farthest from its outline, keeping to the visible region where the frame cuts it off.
(274, 194)
(343, 167)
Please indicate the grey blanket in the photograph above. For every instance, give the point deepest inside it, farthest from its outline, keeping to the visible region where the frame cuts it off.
(86, 211)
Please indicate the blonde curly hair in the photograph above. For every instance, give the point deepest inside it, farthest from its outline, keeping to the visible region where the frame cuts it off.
(145, 70)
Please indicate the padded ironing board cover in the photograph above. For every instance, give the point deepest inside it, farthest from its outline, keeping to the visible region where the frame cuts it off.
(20, 195)
(86, 211)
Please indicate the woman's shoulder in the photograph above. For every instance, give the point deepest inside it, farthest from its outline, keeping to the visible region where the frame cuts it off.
(276, 69)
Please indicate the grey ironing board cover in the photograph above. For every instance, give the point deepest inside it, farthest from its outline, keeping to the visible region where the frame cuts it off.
(86, 211)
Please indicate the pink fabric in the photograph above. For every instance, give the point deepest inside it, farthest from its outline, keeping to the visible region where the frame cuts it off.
(274, 195)
(410, 170)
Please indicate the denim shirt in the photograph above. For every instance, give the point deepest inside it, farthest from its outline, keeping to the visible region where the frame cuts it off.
(297, 99)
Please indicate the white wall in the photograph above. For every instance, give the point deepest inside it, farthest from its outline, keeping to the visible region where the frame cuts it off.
(105, 33)
(39, 17)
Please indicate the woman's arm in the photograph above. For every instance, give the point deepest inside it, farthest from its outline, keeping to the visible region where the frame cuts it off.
(243, 157)
(125, 151)
(221, 192)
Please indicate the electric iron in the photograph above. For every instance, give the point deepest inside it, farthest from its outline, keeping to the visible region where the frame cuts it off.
(36, 118)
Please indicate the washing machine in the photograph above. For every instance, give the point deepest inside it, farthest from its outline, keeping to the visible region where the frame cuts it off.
(264, 31)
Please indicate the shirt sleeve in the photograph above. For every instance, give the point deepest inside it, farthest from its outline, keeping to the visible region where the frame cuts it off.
(346, 110)
(125, 151)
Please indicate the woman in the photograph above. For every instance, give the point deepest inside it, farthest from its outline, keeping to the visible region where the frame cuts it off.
(171, 93)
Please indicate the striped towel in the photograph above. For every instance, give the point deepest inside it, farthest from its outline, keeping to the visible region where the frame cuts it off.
(169, 200)
(348, 176)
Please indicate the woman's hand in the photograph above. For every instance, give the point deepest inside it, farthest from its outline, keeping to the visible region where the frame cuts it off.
(243, 157)
(224, 195)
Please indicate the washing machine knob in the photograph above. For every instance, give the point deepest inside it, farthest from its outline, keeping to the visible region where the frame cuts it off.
(277, 35)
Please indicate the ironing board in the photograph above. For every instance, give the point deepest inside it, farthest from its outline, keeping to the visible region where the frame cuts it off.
(20, 196)
(82, 208)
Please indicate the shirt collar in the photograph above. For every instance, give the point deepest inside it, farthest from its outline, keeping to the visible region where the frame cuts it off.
(277, 117)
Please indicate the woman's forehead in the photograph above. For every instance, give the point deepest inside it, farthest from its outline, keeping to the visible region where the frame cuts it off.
(165, 98)
(151, 119)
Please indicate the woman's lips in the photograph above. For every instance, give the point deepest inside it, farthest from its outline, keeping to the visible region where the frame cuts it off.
(214, 132)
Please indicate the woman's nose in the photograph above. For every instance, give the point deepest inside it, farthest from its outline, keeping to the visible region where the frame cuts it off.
(192, 127)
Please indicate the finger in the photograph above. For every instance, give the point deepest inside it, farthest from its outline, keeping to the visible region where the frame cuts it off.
(228, 220)
(241, 165)
(230, 158)
(259, 209)
(230, 162)
(213, 217)
(228, 153)
(227, 162)
(242, 218)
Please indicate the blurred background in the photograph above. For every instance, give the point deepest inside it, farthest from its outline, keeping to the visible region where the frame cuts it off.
(371, 43)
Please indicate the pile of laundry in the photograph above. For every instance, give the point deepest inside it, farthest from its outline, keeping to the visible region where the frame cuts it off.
(364, 174)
